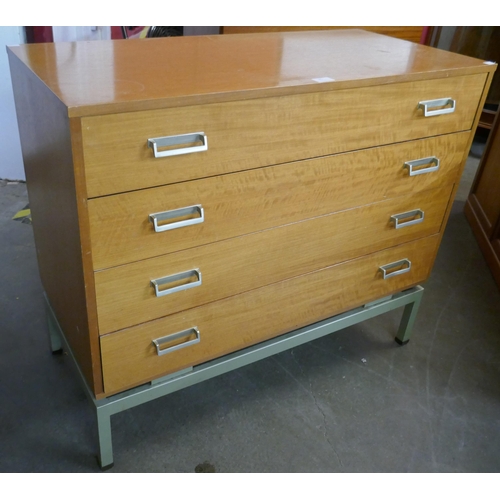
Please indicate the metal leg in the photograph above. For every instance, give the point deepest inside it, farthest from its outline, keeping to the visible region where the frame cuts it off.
(407, 321)
(105, 457)
(104, 408)
(58, 342)
(54, 335)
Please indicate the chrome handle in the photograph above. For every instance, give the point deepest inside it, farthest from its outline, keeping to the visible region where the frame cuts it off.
(431, 160)
(175, 336)
(437, 103)
(156, 283)
(174, 140)
(177, 214)
(416, 215)
(398, 265)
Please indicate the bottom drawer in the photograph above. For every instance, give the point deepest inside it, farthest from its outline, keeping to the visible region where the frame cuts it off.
(130, 357)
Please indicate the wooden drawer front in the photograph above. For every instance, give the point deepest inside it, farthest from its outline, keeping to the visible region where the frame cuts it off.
(129, 356)
(261, 132)
(246, 202)
(125, 296)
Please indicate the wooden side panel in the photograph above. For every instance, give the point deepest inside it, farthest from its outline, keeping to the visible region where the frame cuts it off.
(125, 296)
(129, 356)
(262, 132)
(244, 202)
(48, 160)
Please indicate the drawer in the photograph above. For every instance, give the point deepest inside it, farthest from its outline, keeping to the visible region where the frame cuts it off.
(125, 295)
(129, 357)
(253, 133)
(250, 201)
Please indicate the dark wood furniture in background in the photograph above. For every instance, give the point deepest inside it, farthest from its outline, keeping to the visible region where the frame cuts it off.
(411, 33)
(482, 208)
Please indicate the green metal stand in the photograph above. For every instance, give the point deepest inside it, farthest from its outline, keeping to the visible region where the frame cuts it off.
(104, 408)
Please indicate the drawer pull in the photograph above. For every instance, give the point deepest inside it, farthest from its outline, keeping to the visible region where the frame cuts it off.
(156, 283)
(177, 214)
(395, 265)
(412, 164)
(437, 103)
(417, 217)
(176, 336)
(174, 140)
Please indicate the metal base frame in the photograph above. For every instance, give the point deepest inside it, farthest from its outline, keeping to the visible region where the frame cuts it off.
(106, 407)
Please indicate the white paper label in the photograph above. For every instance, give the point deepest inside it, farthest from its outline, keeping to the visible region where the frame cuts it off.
(323, 79)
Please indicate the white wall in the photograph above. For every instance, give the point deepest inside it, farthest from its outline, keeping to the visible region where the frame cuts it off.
(79, 33)
(11, 161)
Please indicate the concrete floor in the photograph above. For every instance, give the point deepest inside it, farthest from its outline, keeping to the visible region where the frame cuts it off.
(351, 402)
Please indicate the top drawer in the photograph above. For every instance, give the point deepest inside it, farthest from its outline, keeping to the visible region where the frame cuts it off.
(260, 132)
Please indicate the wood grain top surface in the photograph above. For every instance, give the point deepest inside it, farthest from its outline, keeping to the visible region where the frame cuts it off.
(101, 77)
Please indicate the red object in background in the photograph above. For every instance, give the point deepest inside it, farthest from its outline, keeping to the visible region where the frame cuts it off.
(117, 31)
(39, 34)
(425, 35)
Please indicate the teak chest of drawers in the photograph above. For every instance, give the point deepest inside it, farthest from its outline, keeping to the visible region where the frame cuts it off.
(193, 197)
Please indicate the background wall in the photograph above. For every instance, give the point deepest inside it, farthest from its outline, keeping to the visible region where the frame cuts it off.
(11, 162)
(77, 33)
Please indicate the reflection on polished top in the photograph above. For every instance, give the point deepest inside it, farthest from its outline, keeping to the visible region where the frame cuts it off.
(128, 75)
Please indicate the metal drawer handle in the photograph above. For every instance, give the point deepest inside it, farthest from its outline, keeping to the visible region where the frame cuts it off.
(175, 336)
(431, 160)
(416, 215)
(177, 214)
(156, 283)
(174, 140)
(437, 103)
(385, 269)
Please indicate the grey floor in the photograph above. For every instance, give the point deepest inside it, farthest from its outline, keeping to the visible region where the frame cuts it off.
(350, 402)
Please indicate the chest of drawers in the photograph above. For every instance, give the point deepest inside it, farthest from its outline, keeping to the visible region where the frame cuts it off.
(192, 197)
